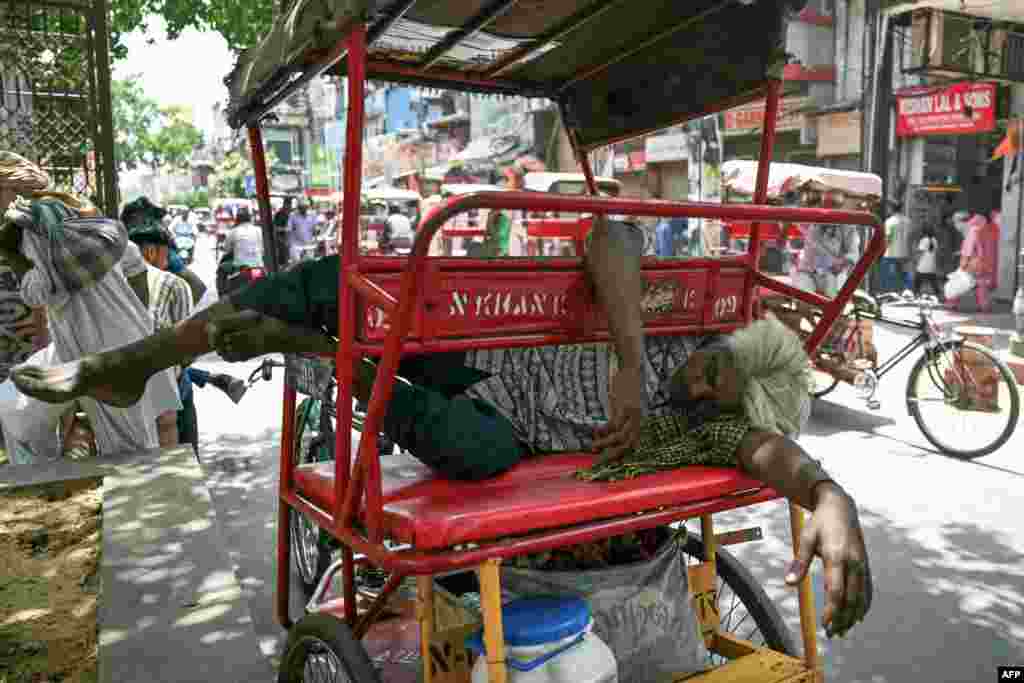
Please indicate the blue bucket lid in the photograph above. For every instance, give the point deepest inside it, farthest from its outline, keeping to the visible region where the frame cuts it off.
(537, 621)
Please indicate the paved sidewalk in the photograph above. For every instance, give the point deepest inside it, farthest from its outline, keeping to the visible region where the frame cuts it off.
(172, 609)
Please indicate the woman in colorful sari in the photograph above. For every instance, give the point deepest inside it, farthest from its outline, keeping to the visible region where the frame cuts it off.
(980, 257)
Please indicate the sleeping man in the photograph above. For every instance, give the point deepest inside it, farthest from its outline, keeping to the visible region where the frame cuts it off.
(728, 401)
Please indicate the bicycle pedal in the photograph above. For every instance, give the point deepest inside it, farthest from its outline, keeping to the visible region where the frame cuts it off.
(874, 405)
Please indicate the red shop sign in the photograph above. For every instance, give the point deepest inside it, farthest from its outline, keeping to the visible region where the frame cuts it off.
(960, 109)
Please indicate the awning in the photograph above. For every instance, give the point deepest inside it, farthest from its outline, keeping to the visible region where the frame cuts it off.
(741, 176)
(497, 149)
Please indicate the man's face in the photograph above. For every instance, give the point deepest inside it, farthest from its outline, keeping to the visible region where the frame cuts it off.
(708, 383)
(302, 209)
(156, 255)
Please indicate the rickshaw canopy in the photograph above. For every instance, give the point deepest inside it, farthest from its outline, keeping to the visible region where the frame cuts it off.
(616, 71)
(740, 177)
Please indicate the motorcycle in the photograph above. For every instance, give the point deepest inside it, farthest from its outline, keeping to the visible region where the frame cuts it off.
(231, 279)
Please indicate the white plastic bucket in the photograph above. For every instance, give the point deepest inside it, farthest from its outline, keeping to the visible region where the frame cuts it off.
(549, 640)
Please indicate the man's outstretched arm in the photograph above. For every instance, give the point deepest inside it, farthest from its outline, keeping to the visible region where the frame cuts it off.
(833, 533)
(613, 264)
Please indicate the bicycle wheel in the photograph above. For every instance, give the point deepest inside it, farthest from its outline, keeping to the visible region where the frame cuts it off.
(961, 384)
(322, 648)
(744, 609)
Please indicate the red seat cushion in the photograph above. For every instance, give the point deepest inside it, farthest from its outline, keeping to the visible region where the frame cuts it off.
(431, 512)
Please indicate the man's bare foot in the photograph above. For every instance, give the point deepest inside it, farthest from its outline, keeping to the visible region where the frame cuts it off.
(248, 334)
(92, 376)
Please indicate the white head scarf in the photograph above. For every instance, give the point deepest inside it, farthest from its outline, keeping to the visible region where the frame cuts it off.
(776, 375)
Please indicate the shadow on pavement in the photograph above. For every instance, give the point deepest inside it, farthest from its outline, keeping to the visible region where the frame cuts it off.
(948, 599)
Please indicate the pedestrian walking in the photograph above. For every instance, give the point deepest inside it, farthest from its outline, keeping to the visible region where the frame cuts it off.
(896, 266)
(927, 263)
(980, 258)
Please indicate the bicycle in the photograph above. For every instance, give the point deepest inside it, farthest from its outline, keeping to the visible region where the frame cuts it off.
(967, 379)
(315, 420)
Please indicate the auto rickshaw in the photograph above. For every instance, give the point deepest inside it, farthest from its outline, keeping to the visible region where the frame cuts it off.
(616, 71)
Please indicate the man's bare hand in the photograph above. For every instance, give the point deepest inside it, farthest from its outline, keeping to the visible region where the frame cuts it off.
(626, 400)
(833, 533)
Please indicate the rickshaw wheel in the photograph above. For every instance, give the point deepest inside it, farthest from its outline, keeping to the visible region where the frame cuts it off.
(311, 548)
(741, 599)
(321, 647)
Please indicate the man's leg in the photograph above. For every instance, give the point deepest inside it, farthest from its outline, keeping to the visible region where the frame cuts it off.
(984, 297)
(459, 437)
(292, 311)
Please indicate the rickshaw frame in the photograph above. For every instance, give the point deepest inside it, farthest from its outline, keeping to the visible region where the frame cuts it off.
(360, 526)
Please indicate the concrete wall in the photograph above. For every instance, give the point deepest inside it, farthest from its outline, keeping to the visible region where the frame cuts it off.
(1010, 233)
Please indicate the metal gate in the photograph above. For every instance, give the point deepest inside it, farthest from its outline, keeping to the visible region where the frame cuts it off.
(55, 106)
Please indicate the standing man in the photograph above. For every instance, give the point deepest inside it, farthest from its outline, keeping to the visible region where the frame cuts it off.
(300, 231)
(897, 255)
(170, 302)
(281, 230)
(90, 306)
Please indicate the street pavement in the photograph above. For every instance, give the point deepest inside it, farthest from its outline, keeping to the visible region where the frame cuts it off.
(948, 572)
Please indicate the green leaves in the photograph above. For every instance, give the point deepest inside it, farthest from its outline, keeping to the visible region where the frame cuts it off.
(147, 134)
(241, 22)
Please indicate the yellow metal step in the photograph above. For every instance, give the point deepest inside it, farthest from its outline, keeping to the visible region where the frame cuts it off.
(760, 666)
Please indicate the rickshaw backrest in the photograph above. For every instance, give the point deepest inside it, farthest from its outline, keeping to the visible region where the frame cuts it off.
(553, 297)
(462, 303)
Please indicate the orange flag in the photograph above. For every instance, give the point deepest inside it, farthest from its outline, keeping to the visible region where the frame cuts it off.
(1011, 144)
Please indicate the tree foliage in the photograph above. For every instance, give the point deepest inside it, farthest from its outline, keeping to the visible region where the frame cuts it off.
(147, 134)
(135, 116)
(228, 178)
(175, 139)
(198, 197)
(241, 22)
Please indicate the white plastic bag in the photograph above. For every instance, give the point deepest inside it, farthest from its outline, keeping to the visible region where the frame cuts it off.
(959, 283)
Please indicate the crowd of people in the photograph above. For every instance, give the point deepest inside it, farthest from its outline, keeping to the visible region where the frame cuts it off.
(92, 284)
(929, 256)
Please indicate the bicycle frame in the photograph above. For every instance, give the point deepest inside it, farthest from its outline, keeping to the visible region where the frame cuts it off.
(922, 339)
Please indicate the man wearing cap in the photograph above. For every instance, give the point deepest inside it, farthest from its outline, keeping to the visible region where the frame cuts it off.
(90, 306)
(169, 299)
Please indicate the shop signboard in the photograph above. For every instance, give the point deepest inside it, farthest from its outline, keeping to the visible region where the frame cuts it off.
(839, 134)
(749, 118)
(958, 109)
(630, 162)
(663, 148)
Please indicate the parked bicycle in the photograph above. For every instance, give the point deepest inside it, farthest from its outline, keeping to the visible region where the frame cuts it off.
(315, 420)
(954, 383)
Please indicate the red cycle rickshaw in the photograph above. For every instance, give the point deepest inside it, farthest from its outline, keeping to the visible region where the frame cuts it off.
(616, 70)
